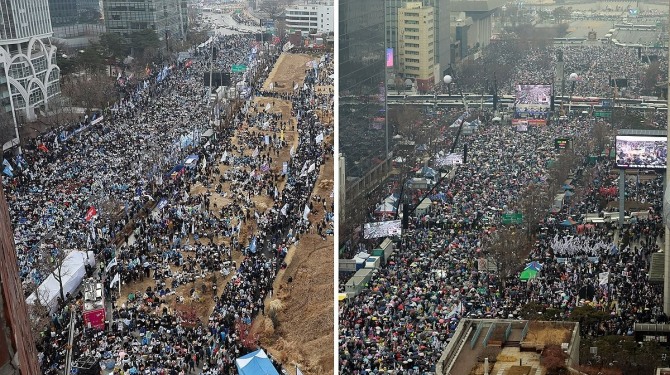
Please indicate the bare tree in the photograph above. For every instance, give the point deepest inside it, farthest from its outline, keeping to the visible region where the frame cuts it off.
(507, 249)
(7, 131)
(534, 204)
(39, 313)
(51, 263)
(93, 91)
(404, 117)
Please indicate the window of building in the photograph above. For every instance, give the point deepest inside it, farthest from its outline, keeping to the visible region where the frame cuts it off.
(411, 30)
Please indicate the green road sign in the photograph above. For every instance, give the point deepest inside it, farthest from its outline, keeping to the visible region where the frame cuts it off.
(603, 114)
(239, 68)
(512, 218)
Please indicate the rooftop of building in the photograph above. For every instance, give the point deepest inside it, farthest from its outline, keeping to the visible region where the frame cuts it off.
(511, 347)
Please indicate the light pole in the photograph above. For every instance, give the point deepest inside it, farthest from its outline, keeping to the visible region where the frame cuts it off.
(572, 78)
(666, 210)
(447, 81)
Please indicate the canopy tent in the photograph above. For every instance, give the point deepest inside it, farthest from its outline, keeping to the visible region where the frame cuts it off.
(385, 208)
(72, 272)
(428, 172)
(528, 274)
(191, 161)
(568, 222)
(255, 363)
(534, 265)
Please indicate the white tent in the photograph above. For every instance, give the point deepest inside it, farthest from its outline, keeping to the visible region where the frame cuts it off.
(255, 363)
(73, 272)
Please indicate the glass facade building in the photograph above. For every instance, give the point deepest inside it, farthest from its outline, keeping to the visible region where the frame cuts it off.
(29, 76)
(361, 51)
(364, 138)
(71, 12)
(166, 17)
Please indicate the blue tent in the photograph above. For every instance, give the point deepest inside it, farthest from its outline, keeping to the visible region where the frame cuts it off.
(256, 363)
(428, 172)
(534, 265)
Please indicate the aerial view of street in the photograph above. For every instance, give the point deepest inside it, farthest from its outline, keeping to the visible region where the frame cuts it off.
(515, 223)
(186, 226)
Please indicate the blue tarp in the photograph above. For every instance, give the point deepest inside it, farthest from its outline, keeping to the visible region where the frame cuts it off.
(255, 363)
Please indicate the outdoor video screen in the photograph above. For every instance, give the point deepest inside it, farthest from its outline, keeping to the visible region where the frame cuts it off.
(448, 159)
(382, 229)
(644, 152)
(533, 96)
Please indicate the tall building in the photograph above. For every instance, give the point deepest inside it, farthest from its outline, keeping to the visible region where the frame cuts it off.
(441, 33)
(29, 76)
(169, 18)
(71, 12)
(18, 354)
(310, 18)
(416, 47)
(363, 132)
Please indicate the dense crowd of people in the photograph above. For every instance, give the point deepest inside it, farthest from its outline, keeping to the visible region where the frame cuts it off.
(404, 318)
(171, 206)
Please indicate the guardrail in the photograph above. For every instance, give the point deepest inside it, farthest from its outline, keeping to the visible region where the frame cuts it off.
(477, 332)
(525, 330)
(489, 333)
(508, 331)
(455, 354)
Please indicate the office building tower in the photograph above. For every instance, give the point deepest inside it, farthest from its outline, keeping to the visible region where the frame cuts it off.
(310, 19)
(363, 132)
(18, 354)
(441, 33)
(29, 76)
(168, 18)
(416, 47)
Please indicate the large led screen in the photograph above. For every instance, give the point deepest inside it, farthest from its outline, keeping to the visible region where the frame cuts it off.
(644, 152)
(533, 95)
(382, 229)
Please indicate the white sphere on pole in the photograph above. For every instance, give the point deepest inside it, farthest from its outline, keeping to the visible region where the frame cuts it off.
(573, 76)
(447, 79)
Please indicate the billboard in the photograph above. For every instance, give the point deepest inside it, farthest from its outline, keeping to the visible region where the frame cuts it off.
(448, 159)
(643, 152)
(382, 229)
(389, 57)
(536, 96)
(532, 104)
(561, 143)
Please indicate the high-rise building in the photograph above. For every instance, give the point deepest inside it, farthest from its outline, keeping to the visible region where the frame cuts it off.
(441, 33)
(18, 354)
(168, 18)
(71, 12)
(363, 128)
(416, 47)
(310, 18)
(29, 76)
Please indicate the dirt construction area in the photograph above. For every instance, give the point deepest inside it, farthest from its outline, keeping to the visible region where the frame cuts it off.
(288, 71)
(304, 306)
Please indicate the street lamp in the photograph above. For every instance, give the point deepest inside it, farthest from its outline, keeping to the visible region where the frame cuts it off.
(408, 83)
(447, 81)
(572, 78)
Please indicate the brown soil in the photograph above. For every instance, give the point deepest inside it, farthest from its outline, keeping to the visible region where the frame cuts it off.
(289, 69)
(306, 318)
(543, 334)
(305, 334)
